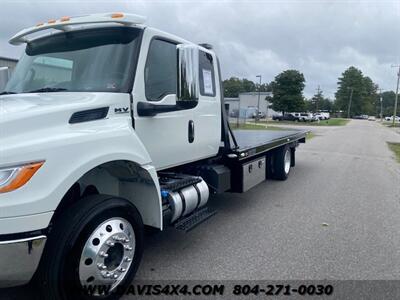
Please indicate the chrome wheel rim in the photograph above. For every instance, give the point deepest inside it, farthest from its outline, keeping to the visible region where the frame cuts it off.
(287, 161)
(108, 254)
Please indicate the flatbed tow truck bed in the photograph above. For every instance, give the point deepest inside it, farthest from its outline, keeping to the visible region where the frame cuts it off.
(255, 142)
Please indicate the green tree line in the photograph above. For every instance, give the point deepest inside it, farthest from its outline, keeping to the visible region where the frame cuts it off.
(356, 94)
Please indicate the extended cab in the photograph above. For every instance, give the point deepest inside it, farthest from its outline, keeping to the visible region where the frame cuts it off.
(108, 126)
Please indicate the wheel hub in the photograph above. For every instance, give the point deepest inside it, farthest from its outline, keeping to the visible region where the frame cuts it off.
(107, 254)
(287, 161)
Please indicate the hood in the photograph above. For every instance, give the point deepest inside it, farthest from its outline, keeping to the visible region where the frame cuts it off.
(31, 119)
(22, 112)
(22, 106)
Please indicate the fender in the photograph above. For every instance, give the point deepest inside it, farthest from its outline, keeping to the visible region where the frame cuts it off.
(72, 152)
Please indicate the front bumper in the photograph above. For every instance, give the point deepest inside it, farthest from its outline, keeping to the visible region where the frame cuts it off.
(19, 260)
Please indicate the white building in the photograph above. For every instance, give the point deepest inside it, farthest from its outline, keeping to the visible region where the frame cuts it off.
(7, 66)
(8, 62)
(250, 100)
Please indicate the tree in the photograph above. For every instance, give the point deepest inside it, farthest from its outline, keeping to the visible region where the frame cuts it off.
(317, 100)
(387, 103)
(324, 104)
(234, 86)
(370, 97)
(287, 90)
(361, 88)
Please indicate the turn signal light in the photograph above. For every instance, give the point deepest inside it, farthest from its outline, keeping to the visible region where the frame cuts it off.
(14, 178)
(117, 15)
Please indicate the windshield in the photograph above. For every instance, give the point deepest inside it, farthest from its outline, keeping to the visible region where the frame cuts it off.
(94, 60)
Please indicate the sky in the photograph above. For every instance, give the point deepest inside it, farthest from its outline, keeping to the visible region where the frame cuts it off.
(319, 38)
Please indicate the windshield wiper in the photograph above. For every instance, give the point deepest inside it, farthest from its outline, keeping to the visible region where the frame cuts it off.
(7, 93)
(48, 90)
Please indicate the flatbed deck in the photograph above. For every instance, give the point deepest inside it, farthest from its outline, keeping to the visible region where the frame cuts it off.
(254, 142)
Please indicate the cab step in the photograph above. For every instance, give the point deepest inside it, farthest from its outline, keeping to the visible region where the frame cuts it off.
(188, 223)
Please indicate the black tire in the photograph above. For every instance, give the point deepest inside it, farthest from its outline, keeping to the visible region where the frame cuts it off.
(279, 171)
(57, 276)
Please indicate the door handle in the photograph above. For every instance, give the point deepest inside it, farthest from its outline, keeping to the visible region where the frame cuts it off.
(191, 131)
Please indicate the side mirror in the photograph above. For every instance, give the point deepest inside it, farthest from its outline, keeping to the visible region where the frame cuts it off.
(188, 76)
(4, 77)
(187, 92)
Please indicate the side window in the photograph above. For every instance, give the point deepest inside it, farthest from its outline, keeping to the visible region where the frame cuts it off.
(207, 76)
(160, 74)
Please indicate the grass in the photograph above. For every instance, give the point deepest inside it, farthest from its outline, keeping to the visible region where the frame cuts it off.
(395, 147)
(248, 126)
(310, 135)
(330, 122)
(390, 124)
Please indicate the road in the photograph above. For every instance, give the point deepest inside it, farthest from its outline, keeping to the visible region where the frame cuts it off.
(345, 177)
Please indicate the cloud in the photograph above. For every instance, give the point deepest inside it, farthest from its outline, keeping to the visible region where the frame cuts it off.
(319, 38)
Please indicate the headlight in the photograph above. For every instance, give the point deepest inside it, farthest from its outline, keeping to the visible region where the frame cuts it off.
(13, 178)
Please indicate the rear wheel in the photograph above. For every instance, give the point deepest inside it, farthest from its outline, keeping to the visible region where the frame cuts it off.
(98, 242)
(282, 162)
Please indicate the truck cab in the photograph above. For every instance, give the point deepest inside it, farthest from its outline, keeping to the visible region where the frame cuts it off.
(108, 126)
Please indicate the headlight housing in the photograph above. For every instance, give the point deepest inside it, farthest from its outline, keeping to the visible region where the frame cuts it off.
(12, 178)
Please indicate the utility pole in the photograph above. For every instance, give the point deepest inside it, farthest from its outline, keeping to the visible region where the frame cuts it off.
(316, 99)
(381, 99)
(397, 94)
(258, 102)
(238, 116)
(351, 97)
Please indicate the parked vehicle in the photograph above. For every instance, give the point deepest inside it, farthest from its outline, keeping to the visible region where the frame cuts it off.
(318, 116)
(252, 111)
(126, 127)
(322, 116)
(234, 113)
(390, 119)
(371, 118)
(262, 115)
(326, 115)
(285, 117)
(306, 117)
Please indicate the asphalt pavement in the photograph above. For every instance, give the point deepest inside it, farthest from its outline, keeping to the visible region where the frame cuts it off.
(345, 177)
(336, 217)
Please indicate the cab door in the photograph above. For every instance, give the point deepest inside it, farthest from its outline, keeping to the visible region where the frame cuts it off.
(207, 120)
(166, 135)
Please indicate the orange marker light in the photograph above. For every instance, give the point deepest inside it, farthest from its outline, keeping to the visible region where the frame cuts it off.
(25, 173)
(52, 21)
(117, 15)
(65, 19)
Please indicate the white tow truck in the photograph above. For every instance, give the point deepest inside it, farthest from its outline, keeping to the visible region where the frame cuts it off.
(107, 126)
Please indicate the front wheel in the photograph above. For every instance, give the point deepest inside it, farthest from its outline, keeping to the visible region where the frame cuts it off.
(93, 251)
